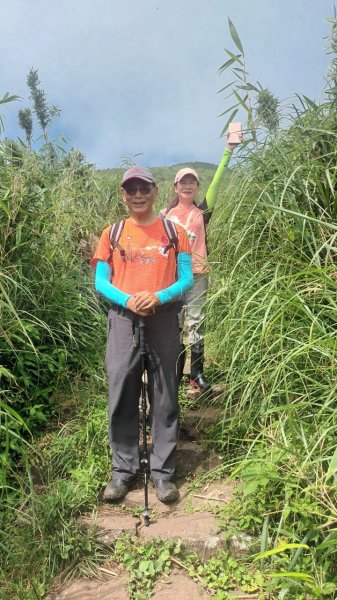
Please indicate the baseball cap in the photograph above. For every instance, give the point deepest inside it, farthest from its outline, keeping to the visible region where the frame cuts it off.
(138, 173)
(186, 171)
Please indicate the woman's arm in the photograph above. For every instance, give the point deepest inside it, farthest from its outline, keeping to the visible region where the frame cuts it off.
(104, 287)
(213, 190)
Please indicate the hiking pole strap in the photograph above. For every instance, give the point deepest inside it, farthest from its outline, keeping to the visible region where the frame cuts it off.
(142, 343)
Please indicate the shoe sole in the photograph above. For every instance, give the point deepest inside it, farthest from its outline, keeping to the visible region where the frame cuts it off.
(169, 499)
(110, 496)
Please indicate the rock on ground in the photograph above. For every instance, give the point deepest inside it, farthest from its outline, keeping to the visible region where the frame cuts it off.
(115, 588)
(178, 586)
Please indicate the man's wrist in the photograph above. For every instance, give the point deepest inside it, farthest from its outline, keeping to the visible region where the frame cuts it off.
(127, 301)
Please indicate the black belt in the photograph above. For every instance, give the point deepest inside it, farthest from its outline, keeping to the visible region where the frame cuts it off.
(162, 308)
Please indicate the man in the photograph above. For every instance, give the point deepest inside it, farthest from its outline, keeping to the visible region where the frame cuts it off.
(143, 275)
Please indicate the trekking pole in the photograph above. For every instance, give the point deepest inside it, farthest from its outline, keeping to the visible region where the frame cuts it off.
(144, 462)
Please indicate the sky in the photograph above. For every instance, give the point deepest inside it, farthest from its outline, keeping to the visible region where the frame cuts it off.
(142, 76)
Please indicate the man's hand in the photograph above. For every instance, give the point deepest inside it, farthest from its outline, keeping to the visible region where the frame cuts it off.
(131, 305)
(145, 301)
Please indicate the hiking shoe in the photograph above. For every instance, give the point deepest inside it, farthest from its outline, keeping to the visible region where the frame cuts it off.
(200, 383)
(117, 488)
(166, 491)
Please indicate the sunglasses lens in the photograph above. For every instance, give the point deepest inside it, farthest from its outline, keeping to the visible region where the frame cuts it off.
(142, 189)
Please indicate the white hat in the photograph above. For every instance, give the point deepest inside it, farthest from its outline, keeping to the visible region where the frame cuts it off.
(184, 172)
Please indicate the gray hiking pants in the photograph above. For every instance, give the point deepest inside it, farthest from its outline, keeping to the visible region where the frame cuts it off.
(124, 369)
(192, 315)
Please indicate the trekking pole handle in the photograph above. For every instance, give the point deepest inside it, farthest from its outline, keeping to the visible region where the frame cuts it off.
(142, 345)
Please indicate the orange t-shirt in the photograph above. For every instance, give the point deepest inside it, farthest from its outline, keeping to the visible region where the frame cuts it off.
(146, 266)
(192, 220)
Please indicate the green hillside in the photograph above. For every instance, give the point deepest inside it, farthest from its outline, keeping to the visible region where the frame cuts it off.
(165, 177)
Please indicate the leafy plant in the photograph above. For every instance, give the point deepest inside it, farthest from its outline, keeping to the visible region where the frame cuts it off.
(26, 123)
(43, 112)
(272, 331)
(4, 100)
(145, 562)
(267, 110)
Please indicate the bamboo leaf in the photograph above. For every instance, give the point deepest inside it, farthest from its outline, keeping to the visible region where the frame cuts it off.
(233, 55)
(228, 121)
(226, 87)
(264, 537)
(3, 205)
(300, 99)
(311, 103)
(330, 540)
(9, 98)
(10, 411)
(293, 575)
(235, 36)
(333, 465)
(6, 373)
(278, 550)
(227, 64)
(305, 217)
(242, 101)
(249, 86)
(227, 110)
(240, 73)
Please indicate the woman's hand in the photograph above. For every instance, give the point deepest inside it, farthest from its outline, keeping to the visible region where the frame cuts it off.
(231, 146)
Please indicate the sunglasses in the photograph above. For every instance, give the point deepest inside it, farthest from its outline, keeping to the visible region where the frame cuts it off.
(142, 188)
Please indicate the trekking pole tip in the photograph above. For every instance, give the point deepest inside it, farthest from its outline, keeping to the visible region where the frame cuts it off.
(146, 517)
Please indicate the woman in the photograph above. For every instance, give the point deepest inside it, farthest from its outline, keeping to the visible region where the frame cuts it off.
(194, 218)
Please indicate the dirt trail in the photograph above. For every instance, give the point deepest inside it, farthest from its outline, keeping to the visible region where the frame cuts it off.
(191, 519)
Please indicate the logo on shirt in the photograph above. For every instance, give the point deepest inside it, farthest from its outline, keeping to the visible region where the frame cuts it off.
(148, 254)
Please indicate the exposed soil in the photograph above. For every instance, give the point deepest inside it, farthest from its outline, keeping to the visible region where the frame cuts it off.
(191, 519)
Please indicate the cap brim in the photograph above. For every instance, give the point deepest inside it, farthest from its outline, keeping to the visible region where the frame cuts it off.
(147, 179)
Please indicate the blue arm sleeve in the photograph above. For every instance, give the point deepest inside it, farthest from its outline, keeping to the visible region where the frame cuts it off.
(183, 283)
(104, 287)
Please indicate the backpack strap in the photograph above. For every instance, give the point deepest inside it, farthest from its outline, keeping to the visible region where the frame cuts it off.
(117, 228)
(172, 234)
(114, 236)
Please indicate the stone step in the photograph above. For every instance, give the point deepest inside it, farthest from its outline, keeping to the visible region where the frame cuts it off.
(197, 528)
(195, 422)
(199, 532)
(178, 586)
(112, 588)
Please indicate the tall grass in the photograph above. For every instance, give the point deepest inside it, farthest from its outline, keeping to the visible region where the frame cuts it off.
(51, 323)
(60, 479)
(272, 320)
